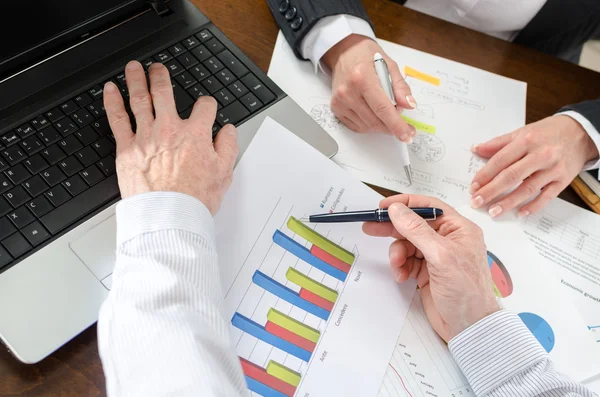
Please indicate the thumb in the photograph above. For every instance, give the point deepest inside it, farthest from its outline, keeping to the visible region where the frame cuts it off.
(226, 145)
(493, 146)
(415, 229)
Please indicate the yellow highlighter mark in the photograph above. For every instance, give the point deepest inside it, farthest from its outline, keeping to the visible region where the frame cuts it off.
(420, 126)
(408, 71)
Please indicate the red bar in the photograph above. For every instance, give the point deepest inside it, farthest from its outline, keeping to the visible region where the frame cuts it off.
(260, 375)
(316, 299)
(290, 336)
(332, 260)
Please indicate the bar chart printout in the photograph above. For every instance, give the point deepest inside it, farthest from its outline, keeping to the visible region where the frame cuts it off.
(294, 340)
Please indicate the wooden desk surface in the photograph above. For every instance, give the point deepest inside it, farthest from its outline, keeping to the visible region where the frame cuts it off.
(76, 371)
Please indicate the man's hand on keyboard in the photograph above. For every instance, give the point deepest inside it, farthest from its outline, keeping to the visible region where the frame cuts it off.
(167, 153)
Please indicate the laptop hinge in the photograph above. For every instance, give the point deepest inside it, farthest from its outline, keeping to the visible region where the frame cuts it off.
(160, 6)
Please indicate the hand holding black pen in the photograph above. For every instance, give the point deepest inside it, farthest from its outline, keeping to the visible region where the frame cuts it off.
(378, 215)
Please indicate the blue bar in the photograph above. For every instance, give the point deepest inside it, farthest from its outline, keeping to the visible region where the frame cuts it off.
(289, 295)
(262, 389)
(258, 331)
(303, 253)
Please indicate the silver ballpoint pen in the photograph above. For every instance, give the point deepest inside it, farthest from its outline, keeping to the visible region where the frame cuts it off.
(386, 82)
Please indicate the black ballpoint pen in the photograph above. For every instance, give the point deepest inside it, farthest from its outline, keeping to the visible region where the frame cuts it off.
(379, 215)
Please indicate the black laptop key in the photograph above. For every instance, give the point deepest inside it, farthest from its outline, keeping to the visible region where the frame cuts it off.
(186, 114)
(16, 245)
(146, 63)
(27, 130)
(5, 257)
(40, 206)
(87, 156)
(40, 122)
(238, 89)
(233, 64)
(232, 114)
(35, 233)
(215, 129)
(91, 175)
(174, 67)
(214, 46)
(107, 165)
(258, 88)
(251, 102)
(35, 163)
(214, 65)
(199, 72)
(49, 136)
(204, 36)
(3, 164)
(124, 91)
(185, 79)
(35, 186)
(69, 107)
(6, 228)
(70, 145)
(163, 57)
(187, 60)
(201, 53)
(21, 217)
(70, 165)
(104, 147)
(14, 155)
(224, 97)
(75, 185)
(87, 135)
(5, 184)
(196, 91)
(53, 154)
(177, 49)
(97, 109)
(5, 207)
(66, 127)
(212, 84)
(53, 175)
(225, 77)
(190, 42)
(96, 92)
(101, 126)
(54, 115)
(58, 195)
(81, 205)
(82, 117)
(32, 145)
(17, 196)
(83, 100)
(182, 100)
(120, 79)
(10, 139)
(18, 174)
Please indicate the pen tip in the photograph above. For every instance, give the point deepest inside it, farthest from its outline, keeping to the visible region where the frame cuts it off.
(305, 220)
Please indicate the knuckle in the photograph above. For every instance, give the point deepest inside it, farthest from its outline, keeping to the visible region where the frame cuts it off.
(529, 188)
(357, 76)
(140, 100)
(510, 175)
(529, 136)
(551, 153)
(342, 94)
(381, 109)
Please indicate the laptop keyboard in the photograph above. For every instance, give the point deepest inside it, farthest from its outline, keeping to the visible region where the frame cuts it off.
(60, 165)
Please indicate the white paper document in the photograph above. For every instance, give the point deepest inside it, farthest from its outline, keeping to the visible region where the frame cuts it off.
(458, 106)
(313, 309)
(568, 239)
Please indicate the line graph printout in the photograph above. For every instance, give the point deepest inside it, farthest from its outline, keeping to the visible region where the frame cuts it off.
(458, 106)
(313, 310)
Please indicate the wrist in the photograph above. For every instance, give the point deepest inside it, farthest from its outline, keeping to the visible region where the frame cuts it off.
(581, 138)
(331, 57)
(486, 306)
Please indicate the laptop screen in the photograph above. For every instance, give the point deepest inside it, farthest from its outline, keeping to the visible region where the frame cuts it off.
(33, 29)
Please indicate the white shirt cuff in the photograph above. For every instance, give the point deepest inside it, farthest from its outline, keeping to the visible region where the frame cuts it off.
(494, 350)
(158, 211)
(592, 132)
(328, 32)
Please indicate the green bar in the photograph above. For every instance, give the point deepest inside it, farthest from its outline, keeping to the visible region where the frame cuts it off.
(419, 125)
(283, 373)
(292, 325)
(313, 286)
(326, 245)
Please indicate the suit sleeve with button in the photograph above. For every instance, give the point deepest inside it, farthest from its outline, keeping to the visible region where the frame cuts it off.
(297, 17)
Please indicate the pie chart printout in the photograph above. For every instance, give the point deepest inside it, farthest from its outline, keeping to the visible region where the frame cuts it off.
(540, 329)
(502, 281)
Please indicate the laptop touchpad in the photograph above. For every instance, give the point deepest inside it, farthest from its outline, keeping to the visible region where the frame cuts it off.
(97, 248)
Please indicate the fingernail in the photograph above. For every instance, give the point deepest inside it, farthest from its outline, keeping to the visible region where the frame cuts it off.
(475, 186)
(523, 214)
(231, 130)
(134, 65)
(110, 87)
(407, 139)
(474, 148)
(477, 202)
(413, 131)
(411, 101)
(396, 274)
(495, 211)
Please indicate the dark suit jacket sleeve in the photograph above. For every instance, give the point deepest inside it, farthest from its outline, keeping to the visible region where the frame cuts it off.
(311, 12)
(589, 109)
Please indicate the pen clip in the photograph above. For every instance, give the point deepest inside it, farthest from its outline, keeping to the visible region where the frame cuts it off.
(389, 81)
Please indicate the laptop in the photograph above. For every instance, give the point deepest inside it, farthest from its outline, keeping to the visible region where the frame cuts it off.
(58, 187)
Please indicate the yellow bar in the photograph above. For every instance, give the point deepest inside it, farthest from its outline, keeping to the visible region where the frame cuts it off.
(420, 125)
(313, 286)
(325, 244)
(283, 373)
(292, 325)
(421, 76)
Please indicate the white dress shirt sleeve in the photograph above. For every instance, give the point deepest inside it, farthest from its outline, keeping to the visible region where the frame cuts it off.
(592, 132)
(328, 32)
(162, 331)
(500, 357)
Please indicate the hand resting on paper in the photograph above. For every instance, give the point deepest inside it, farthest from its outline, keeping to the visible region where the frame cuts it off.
(447, 257)
(167, 153)
(542, 157)
(358, 99)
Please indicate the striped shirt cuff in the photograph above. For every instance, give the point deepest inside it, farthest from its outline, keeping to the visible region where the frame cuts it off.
(158, 211)
(494, 350)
